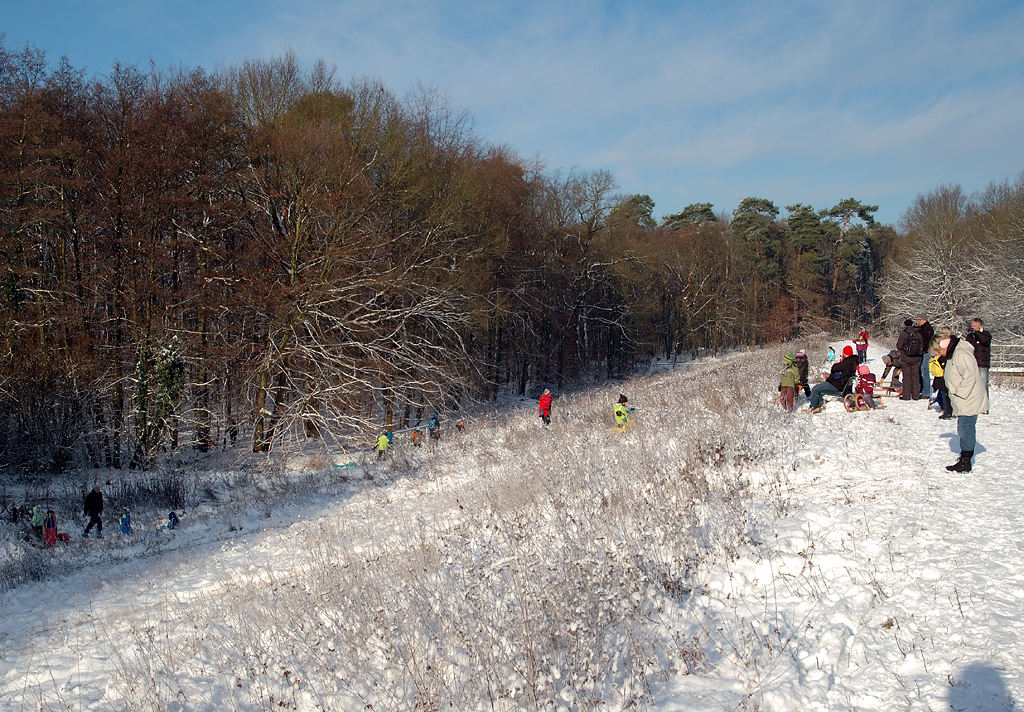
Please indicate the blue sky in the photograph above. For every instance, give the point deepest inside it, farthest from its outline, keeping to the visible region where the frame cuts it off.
(687, 102)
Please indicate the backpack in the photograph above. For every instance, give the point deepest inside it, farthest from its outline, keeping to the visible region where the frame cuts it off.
(915, 344)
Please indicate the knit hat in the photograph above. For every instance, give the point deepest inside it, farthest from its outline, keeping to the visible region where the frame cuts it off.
(787, 359)
(847, 351)
(863, 369)
(622, 398)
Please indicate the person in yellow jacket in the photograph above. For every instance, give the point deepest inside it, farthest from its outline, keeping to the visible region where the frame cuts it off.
(937, 368)
(383, 443)
(622, 412)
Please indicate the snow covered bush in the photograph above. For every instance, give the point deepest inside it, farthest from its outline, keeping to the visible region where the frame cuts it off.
(545, 568)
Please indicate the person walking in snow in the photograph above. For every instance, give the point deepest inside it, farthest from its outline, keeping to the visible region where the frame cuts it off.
(622, 412)
(544, 406)
(927, 334)
(126, 523)
(382, 445)
(434, 428)
(841, 373)
(967, 395)
(38, 520)
(93, 509)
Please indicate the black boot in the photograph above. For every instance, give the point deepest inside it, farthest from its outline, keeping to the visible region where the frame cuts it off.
(963, 464)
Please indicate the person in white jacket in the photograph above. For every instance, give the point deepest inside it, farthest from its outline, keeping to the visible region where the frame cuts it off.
(967, 394)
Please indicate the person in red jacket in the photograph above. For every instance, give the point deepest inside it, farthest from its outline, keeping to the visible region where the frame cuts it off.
(545, 407)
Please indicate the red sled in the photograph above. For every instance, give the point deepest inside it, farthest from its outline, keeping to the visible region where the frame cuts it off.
(50, 537)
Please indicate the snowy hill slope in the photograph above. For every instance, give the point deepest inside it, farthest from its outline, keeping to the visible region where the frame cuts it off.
(719, 555)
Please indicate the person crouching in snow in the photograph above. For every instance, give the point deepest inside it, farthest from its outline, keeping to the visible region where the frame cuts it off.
(544, 406)
(788, 384)
(622, 412)
(382, 445)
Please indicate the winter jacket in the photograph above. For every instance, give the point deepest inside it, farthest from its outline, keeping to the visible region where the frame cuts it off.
(982, 343)
(927, 334)
(800, 361)
(37, 516)
(935, 367)
(861, 343)
(842, 372)
(94, 503)
(903, 341)
(621, 413)
(383, 443)
(791, 376)
(963, 381)
(545, 404)
(866, 384)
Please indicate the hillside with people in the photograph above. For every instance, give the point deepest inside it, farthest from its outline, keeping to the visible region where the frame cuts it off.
(699, 548)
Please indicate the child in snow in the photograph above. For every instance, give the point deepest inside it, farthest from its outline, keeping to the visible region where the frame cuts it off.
(38, 520)
(417, 438)
(830, 357)
(544, 407)
(866, 386)
(382, 445)
(434, 427)
(789, 382)
(126, 523)
(802, 366)
(622, 412)
(861, 343)
(172, 521)
(50, 528)
(937, 369)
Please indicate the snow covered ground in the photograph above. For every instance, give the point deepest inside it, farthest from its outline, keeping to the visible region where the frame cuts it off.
(890, 583)
(867, 577)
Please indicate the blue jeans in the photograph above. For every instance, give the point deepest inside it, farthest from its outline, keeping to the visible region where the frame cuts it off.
(819, 390)
(926, 377)
(967, 429)
(983, 372)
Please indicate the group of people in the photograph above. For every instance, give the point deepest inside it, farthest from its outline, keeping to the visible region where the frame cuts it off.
(387, 437)
(45, 525)
(955, 368)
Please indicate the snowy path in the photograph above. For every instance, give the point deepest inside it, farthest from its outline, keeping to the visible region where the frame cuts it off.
(900, 585)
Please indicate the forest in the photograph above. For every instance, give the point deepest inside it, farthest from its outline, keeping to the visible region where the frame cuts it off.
(262, 254)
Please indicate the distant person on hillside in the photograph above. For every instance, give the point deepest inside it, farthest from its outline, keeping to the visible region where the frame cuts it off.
(434, 428)
(94, 509)
(622, 411)
(544, 406)
(836, 382)
(126, 523)
(830, 357)
(37, 520)
(927, 334)
(417, 438)
(967, 394)
(172, 521)
(802, 367)
(861, 344)
(382, 445)
(789, 382)
(981, 340)
(911, 348)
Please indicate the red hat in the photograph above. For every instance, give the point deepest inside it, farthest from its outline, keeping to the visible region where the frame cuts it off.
(847, 351)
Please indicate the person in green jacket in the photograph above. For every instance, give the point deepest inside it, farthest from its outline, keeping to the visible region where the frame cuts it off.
(383, 443)
(37, 520)
(622, 412)
(790, 380)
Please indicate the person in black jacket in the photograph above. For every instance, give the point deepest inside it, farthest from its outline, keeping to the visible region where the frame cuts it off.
(927, 334)
(981, 340)
(911, 347)
(93, 509)
(836, 382)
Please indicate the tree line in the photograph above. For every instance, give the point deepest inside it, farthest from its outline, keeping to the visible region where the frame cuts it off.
(192, 259)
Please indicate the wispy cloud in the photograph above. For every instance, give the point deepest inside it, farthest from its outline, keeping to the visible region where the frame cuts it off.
(796, 101)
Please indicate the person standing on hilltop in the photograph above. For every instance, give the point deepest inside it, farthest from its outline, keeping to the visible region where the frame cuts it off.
(911, 348)
(981, 340)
